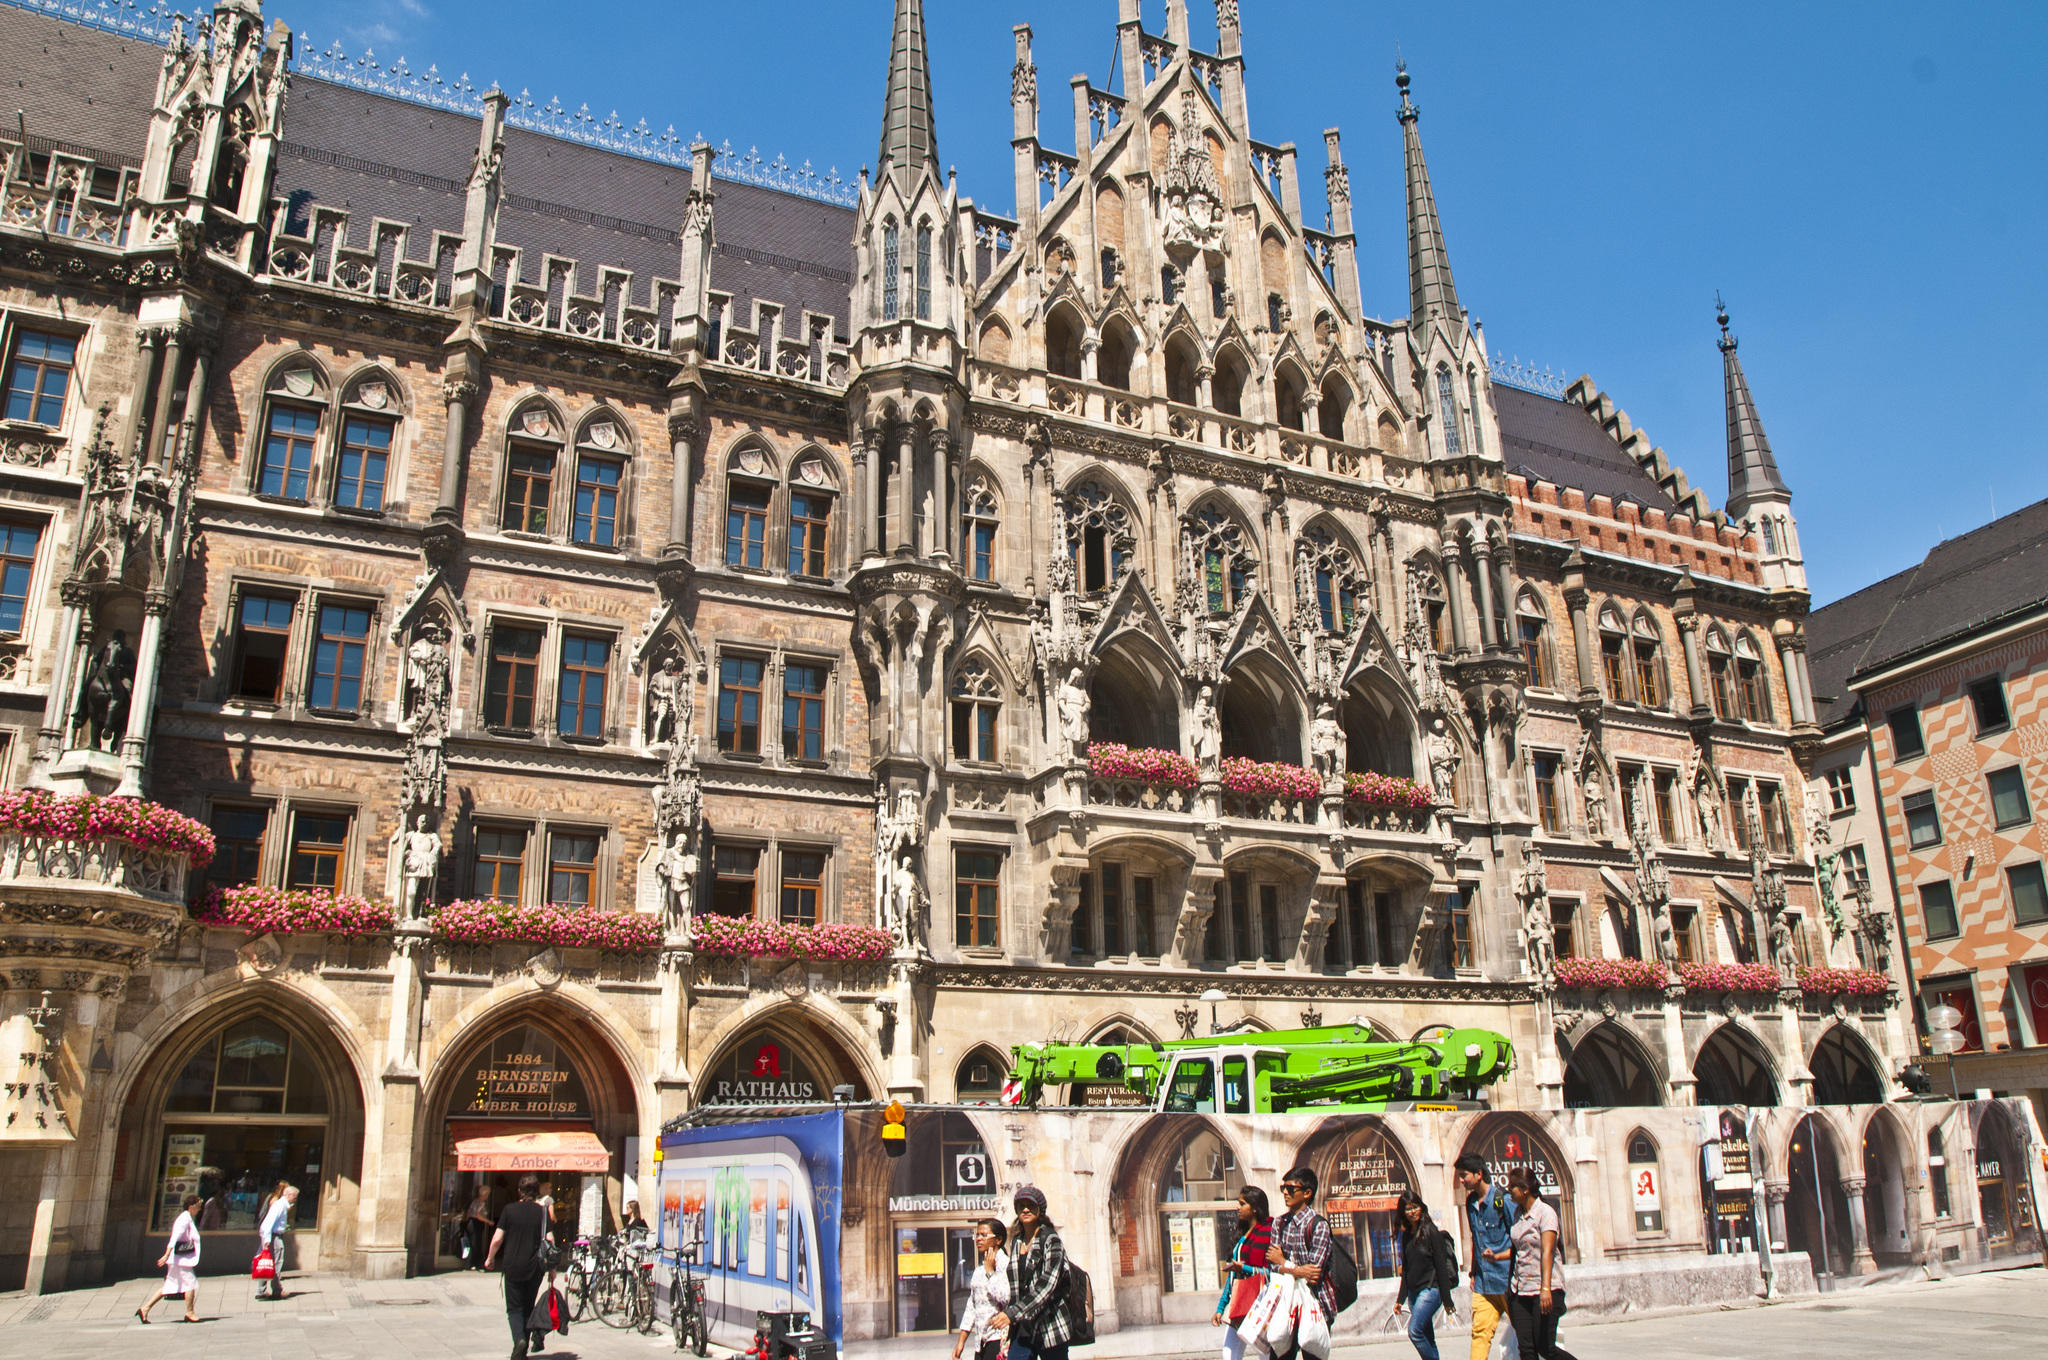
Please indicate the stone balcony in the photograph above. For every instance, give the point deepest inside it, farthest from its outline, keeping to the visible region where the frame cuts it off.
(1189, 812)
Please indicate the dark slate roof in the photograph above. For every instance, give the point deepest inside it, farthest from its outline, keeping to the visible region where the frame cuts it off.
(1966, 583)
(1560, 442)
(382, 157)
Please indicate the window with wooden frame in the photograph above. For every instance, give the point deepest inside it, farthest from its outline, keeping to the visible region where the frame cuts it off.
(1664, 787)
(319, 849)
(2029, 892)
(364, 464)
(586, 661)
(1564, 927)
(39, 376)
(238, 831)
(1614, 657)
(977, 712)
(499, 863)
(286, 467)
(810, 522)
(1938, 910)
(1546, 767)
(1647, 651)
(263, 630)
(1752, 682)
(1533, 628)
(1685, 932)
(1269, 923)
(1987, 702)
(1855, 867)
(739, 705)
(1721, 676)
(1770, 799)
(979, 524)
(1904, 725)
(803, 883)
(977, 898)
(594, 521)
(746, 523)
(1240, 908)
(1738, 813)
(18, 542)
(340, 646)
(512, 677)
(572, 867)
(529, 489)
(735, 871)
(1460, 941)
(1112, 936)
(1629, 777)
(1841, 782)
(1144, 927)
(803, 712)
(2008, 798)
(1923, 820)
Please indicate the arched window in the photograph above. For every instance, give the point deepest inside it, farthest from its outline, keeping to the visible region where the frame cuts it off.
(1731, 1069)
(1614, 655)
(1752, 681)
(810, 518)
(1842, 1071)
(247, 1109)
(1221, 560)
(1333, 578)
(1533, 629)
(1100, 538)
(1447, 409)
(1063, 343)
(1113, 360)
(598, 506)
(977, 712)
(1429, 596)
(362, 465)
(533, 451)
(1226, 385)
(1609, 1068)
(1478, 425)
(1287, 391)
(749, 490)
(295, 396)
(1364, 1166)
(1645, 1183)
(892, 265)
(995, 341)
(1721, 674)
(979, 520)
(1335, 408)
(1197, 1204)
(979, 1078)
(1182, 384)
(1169, 284)
(1647, 653)
(924, 271)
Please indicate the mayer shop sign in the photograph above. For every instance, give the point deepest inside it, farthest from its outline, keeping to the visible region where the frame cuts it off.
(763, 1070)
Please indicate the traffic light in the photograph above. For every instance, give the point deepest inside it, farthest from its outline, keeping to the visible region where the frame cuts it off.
(893, 1141)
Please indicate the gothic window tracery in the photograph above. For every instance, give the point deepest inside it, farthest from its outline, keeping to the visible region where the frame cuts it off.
(1721, 674)
(981, 520)
(1220, 558)
(1447, 410)
(924, 271)
(1647, 651)
(892, 265)
(977, 712)
(1334, 578)
(1100, 536)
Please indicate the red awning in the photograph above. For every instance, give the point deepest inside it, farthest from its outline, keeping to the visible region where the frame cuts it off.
(513, 1147)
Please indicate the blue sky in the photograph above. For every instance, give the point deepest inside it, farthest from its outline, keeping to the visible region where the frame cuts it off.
(1866, 184)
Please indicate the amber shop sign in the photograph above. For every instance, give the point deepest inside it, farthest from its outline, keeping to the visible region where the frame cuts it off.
(523, 1075)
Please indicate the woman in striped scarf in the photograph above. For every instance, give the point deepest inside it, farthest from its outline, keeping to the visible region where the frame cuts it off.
(1248, 1262)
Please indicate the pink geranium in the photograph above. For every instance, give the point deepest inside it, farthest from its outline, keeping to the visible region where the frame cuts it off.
(1145, 765)
(744, 937)
(487, 922)
(1627, 974)
(1269, 778)
(1729, 977)
(292, 911)
(90, 817)
(1388, 790)
(1843, 982)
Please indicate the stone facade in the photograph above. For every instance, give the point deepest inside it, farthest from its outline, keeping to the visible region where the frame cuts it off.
(477, 567)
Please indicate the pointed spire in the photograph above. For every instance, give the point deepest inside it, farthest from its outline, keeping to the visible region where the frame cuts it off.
(1430, 290)
(1752, 471)
(909, 139)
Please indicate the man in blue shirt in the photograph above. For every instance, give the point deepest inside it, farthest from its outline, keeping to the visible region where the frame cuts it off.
(1489, 1213)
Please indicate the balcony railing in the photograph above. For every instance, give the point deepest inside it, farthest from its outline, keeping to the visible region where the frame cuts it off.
(62, 864)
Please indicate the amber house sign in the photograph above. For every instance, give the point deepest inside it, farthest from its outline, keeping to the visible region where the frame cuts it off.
(523, 1074)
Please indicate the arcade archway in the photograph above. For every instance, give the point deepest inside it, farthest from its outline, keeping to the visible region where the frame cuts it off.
(1508, 1141)
(1363, 1169)
(1733, 1069)
(1816, 1208)
(1609, 1068)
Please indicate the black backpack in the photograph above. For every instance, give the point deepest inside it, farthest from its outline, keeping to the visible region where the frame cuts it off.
(1343, 1273)
(1080, 1296)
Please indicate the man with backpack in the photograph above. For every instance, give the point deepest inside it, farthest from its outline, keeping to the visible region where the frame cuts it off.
(517, 1243)
(1489, 1215)
(1302, 1237)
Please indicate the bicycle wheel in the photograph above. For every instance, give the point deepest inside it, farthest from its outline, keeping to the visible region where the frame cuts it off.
(643, 1303)
(576, 1284)
(608, 1297)
(700, 1331)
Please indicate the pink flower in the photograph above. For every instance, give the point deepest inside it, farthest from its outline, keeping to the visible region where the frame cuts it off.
(292, 911)
(1114, 760)
(1629, 974)
(738, 937)
(1388, 790)
(90, 817)
(1843, 982)
(488, 922)
(1729, 977)
(1269, 779)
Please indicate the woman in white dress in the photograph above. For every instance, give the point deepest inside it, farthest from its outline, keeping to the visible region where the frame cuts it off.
(987, 1292)
(181, 1264)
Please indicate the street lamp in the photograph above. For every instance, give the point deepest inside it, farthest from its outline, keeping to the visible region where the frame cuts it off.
(1944, 1038)
(1215, 996)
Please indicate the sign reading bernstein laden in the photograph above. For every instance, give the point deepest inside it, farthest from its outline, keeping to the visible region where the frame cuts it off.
(522, 1075)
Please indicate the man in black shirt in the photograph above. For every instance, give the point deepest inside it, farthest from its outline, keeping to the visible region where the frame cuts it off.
(516, 1244)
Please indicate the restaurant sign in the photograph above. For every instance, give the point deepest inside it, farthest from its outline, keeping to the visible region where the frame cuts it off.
(522, 1075)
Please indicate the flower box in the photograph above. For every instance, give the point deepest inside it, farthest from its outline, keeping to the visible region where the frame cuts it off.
(485, 922)
(1269, 779)
(733, 937)
(91, 817)
(1388, 790)
(292, 911)
(1843, 982)
(1144, 765)
(1729, 977)
(1622, 974)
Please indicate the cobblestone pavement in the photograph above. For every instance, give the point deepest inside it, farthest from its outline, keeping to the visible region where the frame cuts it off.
(442, 1317)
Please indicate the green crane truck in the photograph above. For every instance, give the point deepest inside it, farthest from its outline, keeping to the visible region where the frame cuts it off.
(1327, 1069)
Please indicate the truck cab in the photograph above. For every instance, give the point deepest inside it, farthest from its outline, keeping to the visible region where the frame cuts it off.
(1226, 1081)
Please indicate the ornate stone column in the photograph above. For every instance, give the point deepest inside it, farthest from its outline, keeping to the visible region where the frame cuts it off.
(1454, 592)
(1775, 1192)
(672, 1028)
(862, 529)
(166, 390)
(1790, 648)
(1680, 1085)
(1490, 636)
(1191, 928)
(149, 341)
(142, 698)
(459, 394)
(683, 428)
(906, 489)
(51, 740)
(1576, 599)
(1862, 1262)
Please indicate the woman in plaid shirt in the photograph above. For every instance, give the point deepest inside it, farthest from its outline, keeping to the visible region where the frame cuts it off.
(1037, 1312)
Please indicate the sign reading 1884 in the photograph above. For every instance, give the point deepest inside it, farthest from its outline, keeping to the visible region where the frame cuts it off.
(523, 1075)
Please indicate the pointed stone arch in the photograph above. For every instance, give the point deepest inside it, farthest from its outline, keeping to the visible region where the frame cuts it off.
(1334, 411)
(1132, 608)
(994, 344)
(1220, 555)
(536, 416)
(1231, 379)
(1134, 693)
(978, 1077)
(1182, 357)
(1102, 525)
(1610, 1066)
(1122, 342)
(1065, 327)
(1845, 1068)
(1734, 1067)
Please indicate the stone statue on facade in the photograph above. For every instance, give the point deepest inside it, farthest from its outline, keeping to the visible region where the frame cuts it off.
(1208, 733)
(1653, 880)
(108, 691)
(1072, 705)
(1711, 804)
(1532, 889)
(896, 891)
(665, 699)
(1595, 781)
(426, 679)
(422, 867)
(1781, 950)
(678, 869)
(1443, 764)
(1326, 744)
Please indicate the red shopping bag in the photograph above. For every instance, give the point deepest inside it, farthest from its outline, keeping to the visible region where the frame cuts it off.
(263, 1267)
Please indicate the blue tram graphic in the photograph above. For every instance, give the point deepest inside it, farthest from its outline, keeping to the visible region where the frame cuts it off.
(747, 1205)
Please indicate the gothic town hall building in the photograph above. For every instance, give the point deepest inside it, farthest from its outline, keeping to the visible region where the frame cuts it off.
(476, 513)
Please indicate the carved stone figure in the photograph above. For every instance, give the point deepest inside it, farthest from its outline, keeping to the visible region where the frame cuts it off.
(678, 870)
(422, 867)
(1712, 804)
(1532, 888)
(1208, 732)
(1326, 744)
(1781, 949)
(108, 691)
(664, 703)
(1443, 764)
(1072, 702)
(426, 679)
(1595, 780)
(896, 888)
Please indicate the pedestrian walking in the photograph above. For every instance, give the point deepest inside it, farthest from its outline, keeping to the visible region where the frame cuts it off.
(1489, 1215)
(522, 1227)
(1429, 1273)
(180, 1262)
(1036, 1316)
(987, 1292)
(1249, 1260)
(270, 1236)
(477, 1222)
(1536, 1297)
(1301, 1239)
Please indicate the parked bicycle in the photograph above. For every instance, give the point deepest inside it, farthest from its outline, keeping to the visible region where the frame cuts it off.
(686, 1303)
